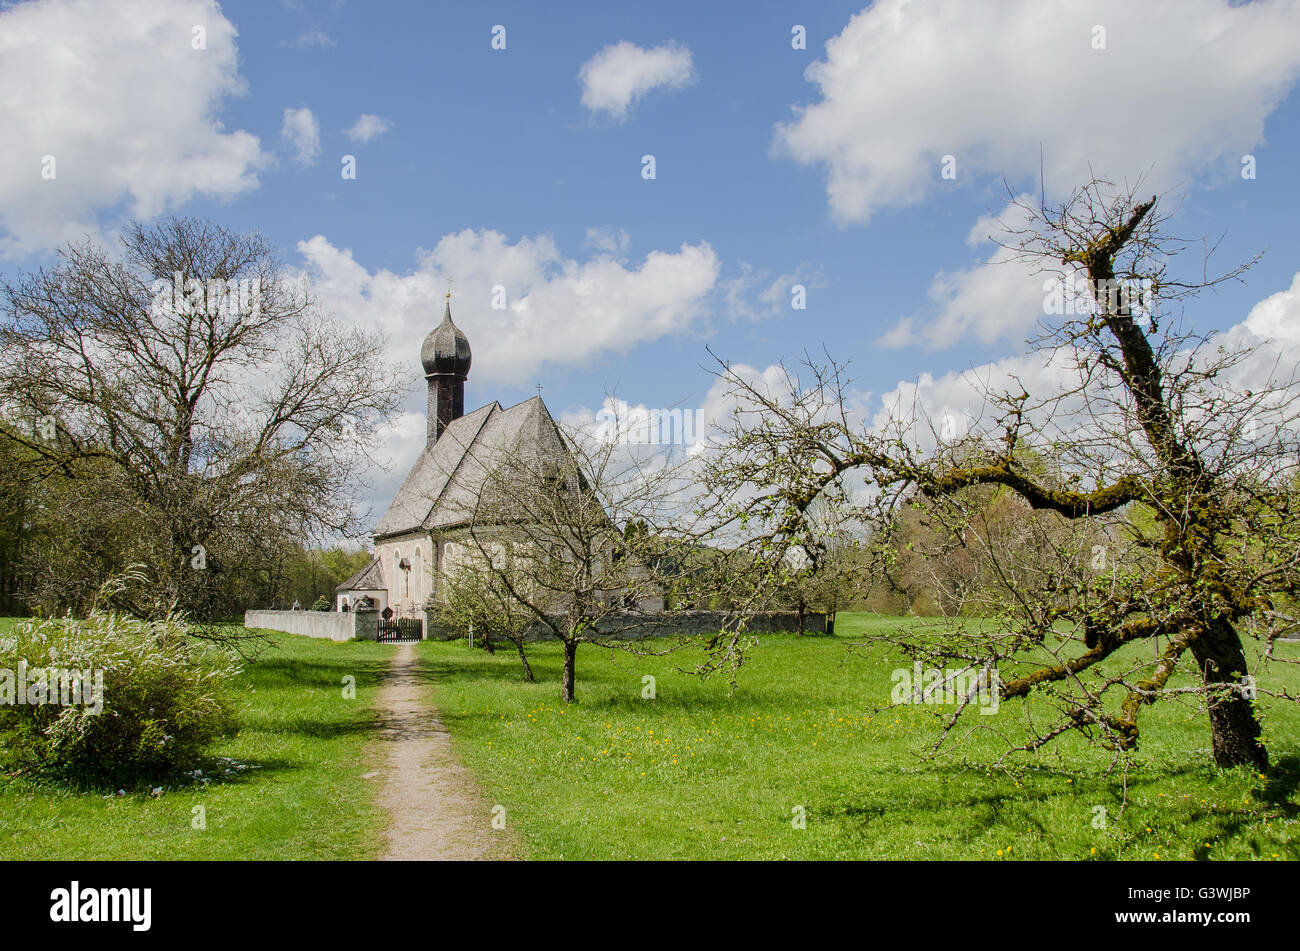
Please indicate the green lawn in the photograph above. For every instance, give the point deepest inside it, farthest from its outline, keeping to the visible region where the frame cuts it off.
(697, 774)
(692, 773)
(302, 799)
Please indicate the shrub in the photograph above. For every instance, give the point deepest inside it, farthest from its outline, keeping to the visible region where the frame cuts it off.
(321, 604)
(161, 701)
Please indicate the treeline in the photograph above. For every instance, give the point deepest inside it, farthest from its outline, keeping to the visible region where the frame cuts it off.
(181, 417)
(65, 532)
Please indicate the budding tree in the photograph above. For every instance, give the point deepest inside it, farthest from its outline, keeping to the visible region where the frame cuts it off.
(201, 386)
(1173, 471)
(565, 536)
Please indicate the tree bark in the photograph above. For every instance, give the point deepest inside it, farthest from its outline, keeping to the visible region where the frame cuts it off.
(570, 662)
(523, 659)
(1233, 728)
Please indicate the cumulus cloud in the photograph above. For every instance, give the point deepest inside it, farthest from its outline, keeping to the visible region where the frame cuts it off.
(607, 241)
(302, 131)
(998, 299)
(1180, 86)
(1270, 331)
(368, 127)
(125, 107)
(522, 305)
(754, 294)
(312, 38)
(1277, 317)
(618, 76)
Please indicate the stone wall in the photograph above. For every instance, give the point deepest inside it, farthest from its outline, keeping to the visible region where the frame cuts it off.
(684, 623)
(329, 625)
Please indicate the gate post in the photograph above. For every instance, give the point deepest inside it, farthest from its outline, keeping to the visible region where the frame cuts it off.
(365, 625)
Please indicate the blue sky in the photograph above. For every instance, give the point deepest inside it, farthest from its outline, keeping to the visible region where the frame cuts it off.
(497, 147)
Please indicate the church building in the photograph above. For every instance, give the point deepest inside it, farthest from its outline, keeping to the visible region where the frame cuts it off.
(423, 532)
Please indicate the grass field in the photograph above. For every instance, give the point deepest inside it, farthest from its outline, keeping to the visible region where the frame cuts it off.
(303, 798)
(697, 774)
(692, 773)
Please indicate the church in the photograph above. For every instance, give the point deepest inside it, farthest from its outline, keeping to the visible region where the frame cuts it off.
(423, 532)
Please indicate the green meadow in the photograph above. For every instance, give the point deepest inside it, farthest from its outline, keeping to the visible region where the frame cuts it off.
(703, 773)
(796, 763)
(287, 785)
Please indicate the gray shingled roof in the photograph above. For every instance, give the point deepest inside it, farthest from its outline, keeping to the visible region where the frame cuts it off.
(442, 487)
(369, 578)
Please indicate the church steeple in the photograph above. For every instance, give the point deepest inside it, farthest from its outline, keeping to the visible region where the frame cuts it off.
(446, 359)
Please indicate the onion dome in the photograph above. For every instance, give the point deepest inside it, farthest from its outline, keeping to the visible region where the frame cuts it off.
(446, 350)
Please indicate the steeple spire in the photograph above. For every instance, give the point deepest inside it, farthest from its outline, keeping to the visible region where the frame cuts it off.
(445, 356)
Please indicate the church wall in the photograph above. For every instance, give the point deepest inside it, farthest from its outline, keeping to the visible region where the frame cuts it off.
(407, 590)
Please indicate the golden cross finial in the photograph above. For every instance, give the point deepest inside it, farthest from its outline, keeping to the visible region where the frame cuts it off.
(449, 288)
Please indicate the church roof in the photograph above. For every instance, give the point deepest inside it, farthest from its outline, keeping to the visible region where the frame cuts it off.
(443, 486)
(369, 578)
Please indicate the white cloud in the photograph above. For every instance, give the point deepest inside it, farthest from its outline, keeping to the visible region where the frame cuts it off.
(618, 76)
(1000, 298)
(312, 38)
(556, 309)
(302, 131)
(1277, 317)
(607, 241)
(126, 106)
(368, 127)
(1181, 85)
(756, 295)
(1271, 331)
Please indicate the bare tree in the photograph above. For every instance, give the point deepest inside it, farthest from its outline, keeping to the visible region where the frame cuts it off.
(1152, 445)
(567, 537)
(205, 383)
(480, 603)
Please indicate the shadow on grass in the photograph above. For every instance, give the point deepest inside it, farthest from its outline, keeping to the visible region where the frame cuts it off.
(615, 687)
(308, 727)
(982, 804)
(289, 672)
(1283, 779)
(179, 780)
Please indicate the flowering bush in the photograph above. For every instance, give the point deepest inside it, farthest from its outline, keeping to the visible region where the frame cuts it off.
(149, 699)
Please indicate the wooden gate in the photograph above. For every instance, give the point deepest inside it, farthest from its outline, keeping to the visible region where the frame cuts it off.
(401, 630)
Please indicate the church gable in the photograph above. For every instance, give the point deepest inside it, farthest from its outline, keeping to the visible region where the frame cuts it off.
(525, 431)
(425, 484)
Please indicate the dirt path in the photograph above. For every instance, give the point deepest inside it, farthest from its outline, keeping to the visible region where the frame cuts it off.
(436, 809)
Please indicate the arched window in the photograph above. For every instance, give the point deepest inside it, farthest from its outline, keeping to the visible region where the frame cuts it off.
(417, 563)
